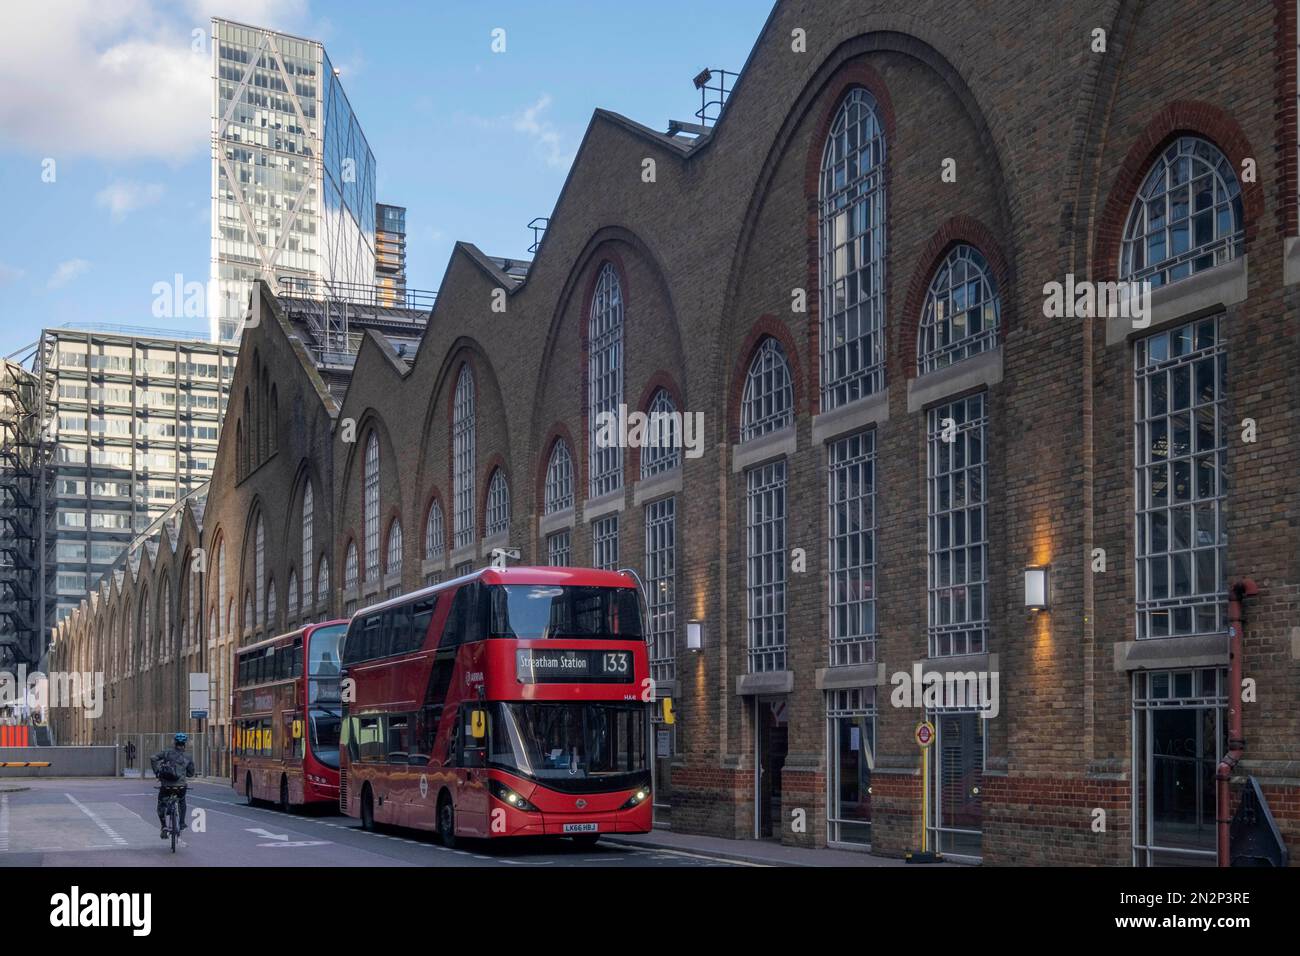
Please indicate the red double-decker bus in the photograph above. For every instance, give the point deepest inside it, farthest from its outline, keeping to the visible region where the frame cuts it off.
(508, 702)
(285, 733)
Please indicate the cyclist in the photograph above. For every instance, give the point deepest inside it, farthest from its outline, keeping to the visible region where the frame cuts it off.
(172, 767)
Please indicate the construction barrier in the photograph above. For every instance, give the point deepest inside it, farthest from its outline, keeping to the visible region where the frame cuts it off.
(15, 735)
(25, 763)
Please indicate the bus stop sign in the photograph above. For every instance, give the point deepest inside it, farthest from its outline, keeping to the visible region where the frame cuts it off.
(924, 734)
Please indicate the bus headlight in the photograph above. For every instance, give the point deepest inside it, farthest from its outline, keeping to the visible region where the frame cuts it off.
(641, 796)
(509, 797)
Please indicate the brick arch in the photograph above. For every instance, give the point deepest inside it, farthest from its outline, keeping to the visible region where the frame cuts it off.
(853, 75)
(959, 230)
(558, 432)
(766, 326)
(494, 463)
(660, 379)
(1179, 118)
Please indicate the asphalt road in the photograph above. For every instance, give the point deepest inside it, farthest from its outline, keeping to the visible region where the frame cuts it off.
(88, 822)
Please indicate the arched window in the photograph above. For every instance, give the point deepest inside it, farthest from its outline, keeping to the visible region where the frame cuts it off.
(259, 566)
(662, 450)
(248, 611)
(322, 581)
(463, 450)
(393, 563)
(272, 620)
(604, 382)
(350, 567)
(768, 403)
(1186, 217)
(961, 312)
(221, 575)
(308, 517)
(498, 505)
(435, 535)
(559, 479)
(291, 602)
(852, 218)
(371, 518)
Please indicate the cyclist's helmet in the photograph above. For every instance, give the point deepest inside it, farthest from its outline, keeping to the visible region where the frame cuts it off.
(181, 738)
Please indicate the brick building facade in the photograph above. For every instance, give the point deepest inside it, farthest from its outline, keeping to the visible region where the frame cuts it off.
(847, 276)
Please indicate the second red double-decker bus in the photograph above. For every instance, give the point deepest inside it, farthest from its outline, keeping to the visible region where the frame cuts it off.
(508, 702)
(285, 745)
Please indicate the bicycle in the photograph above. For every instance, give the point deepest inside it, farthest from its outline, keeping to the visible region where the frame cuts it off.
(171, 811)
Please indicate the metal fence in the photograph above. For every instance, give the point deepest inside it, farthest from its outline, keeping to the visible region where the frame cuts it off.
(134, 751)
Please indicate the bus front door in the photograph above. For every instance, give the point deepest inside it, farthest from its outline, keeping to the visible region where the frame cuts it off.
(472, 781)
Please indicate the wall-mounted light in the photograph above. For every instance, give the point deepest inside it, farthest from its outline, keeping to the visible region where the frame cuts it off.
(1037, 584)
(694, 635)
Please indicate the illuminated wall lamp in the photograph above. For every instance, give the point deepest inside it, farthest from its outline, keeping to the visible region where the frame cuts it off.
(1037, 584)
(694, 635)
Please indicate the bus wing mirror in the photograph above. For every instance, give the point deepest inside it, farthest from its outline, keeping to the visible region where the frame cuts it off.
(478, 724)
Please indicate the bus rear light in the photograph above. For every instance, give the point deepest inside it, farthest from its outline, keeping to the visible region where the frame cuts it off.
(638, 798)
(509, 797)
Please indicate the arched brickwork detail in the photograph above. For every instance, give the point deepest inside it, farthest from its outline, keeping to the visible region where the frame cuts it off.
(1180, 118)
(959, 230)
(766, 326)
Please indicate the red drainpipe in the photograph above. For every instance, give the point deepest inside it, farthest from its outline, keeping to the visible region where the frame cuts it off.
(1239, 591)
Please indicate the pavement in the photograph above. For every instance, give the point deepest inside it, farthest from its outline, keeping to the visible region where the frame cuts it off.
(754, 852)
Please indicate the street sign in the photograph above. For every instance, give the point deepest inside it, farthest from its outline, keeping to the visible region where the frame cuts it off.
(198, 715)
(924, 734)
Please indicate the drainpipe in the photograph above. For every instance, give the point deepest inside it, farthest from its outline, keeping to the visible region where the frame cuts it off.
(1237, 594)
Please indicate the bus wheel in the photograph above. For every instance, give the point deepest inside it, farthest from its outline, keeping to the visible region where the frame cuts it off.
(367, 809)
(248, 789)
(285, 806)
(446, 822)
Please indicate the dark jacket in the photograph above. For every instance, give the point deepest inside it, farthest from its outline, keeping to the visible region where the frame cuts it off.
(177, 760)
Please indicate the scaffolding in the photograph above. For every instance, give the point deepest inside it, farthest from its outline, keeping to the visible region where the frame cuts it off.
(24, 402)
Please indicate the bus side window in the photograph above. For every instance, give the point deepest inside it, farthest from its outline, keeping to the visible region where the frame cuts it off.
(421, 618)
(426, 732)
(452, 757)
(295, 659)
(370, 738)
(399, 738)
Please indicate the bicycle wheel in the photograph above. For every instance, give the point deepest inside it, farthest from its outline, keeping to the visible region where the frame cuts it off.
(172, 825)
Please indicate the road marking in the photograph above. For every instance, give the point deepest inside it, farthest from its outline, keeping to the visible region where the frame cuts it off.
(4, 822)
(268, 835)
(643, 851)
(97, 820)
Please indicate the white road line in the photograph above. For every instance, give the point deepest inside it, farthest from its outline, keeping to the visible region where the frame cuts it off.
(4, 822)
(97, 820)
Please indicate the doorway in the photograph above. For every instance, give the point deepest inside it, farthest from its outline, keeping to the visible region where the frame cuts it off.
(771, 742)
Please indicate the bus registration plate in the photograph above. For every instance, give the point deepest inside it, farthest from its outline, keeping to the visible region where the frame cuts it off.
(582, 828)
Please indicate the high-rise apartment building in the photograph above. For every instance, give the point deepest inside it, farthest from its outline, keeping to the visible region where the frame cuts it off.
(133, 429)
(390, 254)
(293, 178)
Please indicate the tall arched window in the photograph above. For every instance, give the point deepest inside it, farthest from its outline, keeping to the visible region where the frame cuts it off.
(768, 403)
(350, 567)
(604, 382)
(435, 535)
(393, 559)
(323, 581)
(272, 619)
(371, 518)
(291, 600)
(1186, 217)
(463, 450)
(248, 611)
(852, 204)
(259, 567)
(498, 505)
(961, 312)
(559, 479)
(308, 517)
(662, 450)
(221, 574)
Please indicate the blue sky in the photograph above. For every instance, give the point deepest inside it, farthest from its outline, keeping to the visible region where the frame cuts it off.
(473, 143)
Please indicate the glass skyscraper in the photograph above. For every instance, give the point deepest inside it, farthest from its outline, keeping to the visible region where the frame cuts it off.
(293, 178)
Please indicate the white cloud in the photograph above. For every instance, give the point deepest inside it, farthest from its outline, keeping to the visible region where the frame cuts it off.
(122, 197)
(10, 274)
(543, 132)
(66, 272)
(117, 79)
